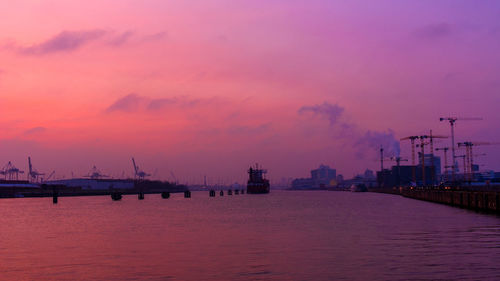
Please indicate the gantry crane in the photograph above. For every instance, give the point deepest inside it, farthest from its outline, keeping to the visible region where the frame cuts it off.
(95, 174)
(11, 172)
(452, 121)
(32, 173)
(139, 174)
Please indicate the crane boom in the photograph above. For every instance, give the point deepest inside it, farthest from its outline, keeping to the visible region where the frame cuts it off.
(452, 121)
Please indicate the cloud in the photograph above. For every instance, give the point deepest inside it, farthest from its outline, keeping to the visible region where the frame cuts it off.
(434, 31)
(249, 130)
(128, 103)
(158, 104)
(155, 36)
(134, 103)
(65, 41)
(332, 112)
(121, 38)
(35, 130)
(353, 134)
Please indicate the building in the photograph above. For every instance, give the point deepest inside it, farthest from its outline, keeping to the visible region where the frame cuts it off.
(303, 183)
(429, 161)
(321, 178)
(403, 176)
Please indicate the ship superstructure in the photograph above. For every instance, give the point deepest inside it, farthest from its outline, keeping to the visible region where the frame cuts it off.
(257, 183)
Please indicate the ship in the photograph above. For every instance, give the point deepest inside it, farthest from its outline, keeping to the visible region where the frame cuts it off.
(256, 181)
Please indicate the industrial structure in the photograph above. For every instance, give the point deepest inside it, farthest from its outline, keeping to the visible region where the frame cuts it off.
(321, 178)
(427, 171)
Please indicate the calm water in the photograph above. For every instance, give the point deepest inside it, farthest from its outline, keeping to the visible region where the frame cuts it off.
(282, 236)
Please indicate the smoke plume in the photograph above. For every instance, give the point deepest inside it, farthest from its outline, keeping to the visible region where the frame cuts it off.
(359, 138)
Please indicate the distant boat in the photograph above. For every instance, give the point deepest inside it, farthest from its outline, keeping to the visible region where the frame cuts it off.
(256, 181)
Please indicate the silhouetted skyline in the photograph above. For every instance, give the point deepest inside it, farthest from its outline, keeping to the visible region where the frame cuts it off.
(213, 89)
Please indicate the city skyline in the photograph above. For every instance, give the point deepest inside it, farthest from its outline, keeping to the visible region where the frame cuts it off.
(214, 88)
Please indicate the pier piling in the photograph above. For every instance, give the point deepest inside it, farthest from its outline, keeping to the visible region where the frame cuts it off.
(55, 195)
(115, 196)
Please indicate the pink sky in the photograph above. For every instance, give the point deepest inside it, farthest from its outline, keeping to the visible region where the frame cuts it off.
(210, 87)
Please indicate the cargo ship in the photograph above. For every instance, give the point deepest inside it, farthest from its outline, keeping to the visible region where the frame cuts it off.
(256, 181)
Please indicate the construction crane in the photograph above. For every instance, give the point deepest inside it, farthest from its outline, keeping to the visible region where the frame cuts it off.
(464, 159)
(468, 167)
(381, 160)
(412, 139)
(398, 164)
(452, 121)
(139, 174)
(445, 150)
(431, 137)
(32, 173)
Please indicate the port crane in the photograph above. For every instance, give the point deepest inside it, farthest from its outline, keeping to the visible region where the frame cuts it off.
(452, 121)
(95, 174)
(50, 176)
(139, 174)
(10, 172)
(32, 173)
(173, 176)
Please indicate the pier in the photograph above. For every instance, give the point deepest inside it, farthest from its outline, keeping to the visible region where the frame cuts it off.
(486, 199)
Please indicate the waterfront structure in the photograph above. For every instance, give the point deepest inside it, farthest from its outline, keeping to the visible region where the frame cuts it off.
(321, 178)
(96, 184)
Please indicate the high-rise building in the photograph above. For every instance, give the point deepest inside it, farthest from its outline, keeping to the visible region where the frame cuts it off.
(323, 176)
(429, 162)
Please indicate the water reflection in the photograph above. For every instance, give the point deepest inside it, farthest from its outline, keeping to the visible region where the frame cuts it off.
(281, 236)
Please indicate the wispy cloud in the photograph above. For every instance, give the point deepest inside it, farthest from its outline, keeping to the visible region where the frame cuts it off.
(155, 36)
(71, 40)
(65, 41)
(134, 102)
(129, 103)
(158, 104)
(121, 38)
(35, 130)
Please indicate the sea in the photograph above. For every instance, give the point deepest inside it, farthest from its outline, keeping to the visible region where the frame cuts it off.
(283, 235)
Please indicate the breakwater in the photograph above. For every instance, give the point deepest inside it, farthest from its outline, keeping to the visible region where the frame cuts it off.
(474, 198)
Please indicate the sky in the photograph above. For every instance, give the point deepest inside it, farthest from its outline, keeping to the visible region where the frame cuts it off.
(192, 88)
